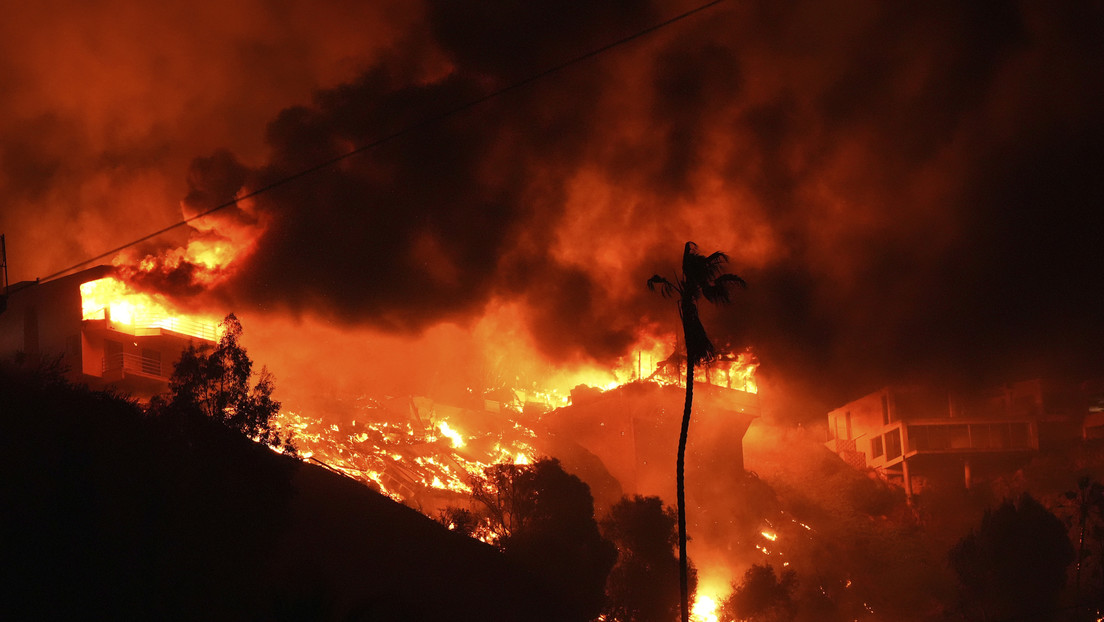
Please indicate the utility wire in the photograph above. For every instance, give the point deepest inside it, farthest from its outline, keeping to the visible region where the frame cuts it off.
(397, 134)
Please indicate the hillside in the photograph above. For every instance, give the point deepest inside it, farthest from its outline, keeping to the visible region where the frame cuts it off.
(109, 513)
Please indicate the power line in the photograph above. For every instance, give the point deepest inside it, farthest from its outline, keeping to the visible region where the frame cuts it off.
(397, 134)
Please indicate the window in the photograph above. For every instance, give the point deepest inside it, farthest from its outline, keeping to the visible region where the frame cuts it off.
(893, 444)
(876, 447)
(920, 437)
(931, 437)
(979, 436)
(1020, 435)
(991, 435)
(959, 436)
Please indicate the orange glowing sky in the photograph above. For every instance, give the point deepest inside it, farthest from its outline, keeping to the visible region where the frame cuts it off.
(908, 190)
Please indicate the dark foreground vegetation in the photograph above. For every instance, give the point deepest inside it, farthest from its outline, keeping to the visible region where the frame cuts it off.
(113, 513)
(1025, 546)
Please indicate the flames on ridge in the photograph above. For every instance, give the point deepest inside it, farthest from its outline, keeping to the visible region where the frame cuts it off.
(414, 448)
(420, 449)
(409, 449)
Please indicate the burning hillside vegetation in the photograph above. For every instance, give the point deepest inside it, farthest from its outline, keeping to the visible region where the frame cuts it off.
(411, 449)
(425, 452)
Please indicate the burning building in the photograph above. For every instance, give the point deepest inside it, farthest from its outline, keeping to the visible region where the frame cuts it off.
(914, 435)
(98, 332)
(632, 430)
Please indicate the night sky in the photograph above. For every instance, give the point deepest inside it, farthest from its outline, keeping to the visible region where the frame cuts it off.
(912, 192)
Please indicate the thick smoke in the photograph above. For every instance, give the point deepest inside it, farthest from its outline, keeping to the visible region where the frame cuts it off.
(909, 190)
(105, 104)
(429, 226)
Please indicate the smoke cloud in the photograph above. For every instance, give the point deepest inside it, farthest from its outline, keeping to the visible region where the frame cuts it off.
(909, 191)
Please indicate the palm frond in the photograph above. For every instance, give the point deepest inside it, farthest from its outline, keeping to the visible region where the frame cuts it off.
(700, 270)
(714, 262)
(666, 288)
(731, 278)
(717, 291)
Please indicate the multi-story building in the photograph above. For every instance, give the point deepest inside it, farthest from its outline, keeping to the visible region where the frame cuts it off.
(130, 350)
(914, 436)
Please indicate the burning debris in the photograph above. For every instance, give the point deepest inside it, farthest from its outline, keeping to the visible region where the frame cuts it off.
(413, 449)
(406, 450)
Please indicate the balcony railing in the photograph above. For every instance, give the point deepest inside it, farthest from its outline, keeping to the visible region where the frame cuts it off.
(133, 363)
(145, 324)
(154, 324)
(972, 436)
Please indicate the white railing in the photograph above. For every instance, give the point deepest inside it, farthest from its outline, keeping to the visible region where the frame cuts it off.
(134, 363)
(184, 326)
(153, 324)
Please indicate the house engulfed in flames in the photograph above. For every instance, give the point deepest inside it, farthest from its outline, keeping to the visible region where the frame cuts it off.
(99, 334)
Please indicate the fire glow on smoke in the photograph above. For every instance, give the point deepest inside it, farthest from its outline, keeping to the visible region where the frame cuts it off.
(419, 451)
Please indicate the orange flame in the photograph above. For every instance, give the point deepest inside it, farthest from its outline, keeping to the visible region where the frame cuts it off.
(405, 459)
(113, 301)
(704, 609)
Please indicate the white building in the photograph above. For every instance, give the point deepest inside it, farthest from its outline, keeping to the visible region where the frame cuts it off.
(132, 353)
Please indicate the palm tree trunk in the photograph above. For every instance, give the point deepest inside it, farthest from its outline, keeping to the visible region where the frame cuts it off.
(1080, 555)
(680, 483)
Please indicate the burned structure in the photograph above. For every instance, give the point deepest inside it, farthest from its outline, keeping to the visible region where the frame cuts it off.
(97, 340)
(915, 436)
(631, 430)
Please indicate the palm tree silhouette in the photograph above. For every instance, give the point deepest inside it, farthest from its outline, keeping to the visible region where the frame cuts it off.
(701, 277)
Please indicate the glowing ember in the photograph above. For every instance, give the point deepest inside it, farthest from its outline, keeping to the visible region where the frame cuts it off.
(704, 609)
(402, 455)
(453, 435)
(413, 450)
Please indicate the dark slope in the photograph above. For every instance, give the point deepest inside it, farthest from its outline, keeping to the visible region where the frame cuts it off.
(106, 513)
(375, 559)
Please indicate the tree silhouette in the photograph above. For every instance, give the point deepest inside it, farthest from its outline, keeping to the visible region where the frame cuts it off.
(1014, 564)
(214, 382)
(641, 586)
(544, 520)
(1087, 503)
(701, 277)
(762, 596)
